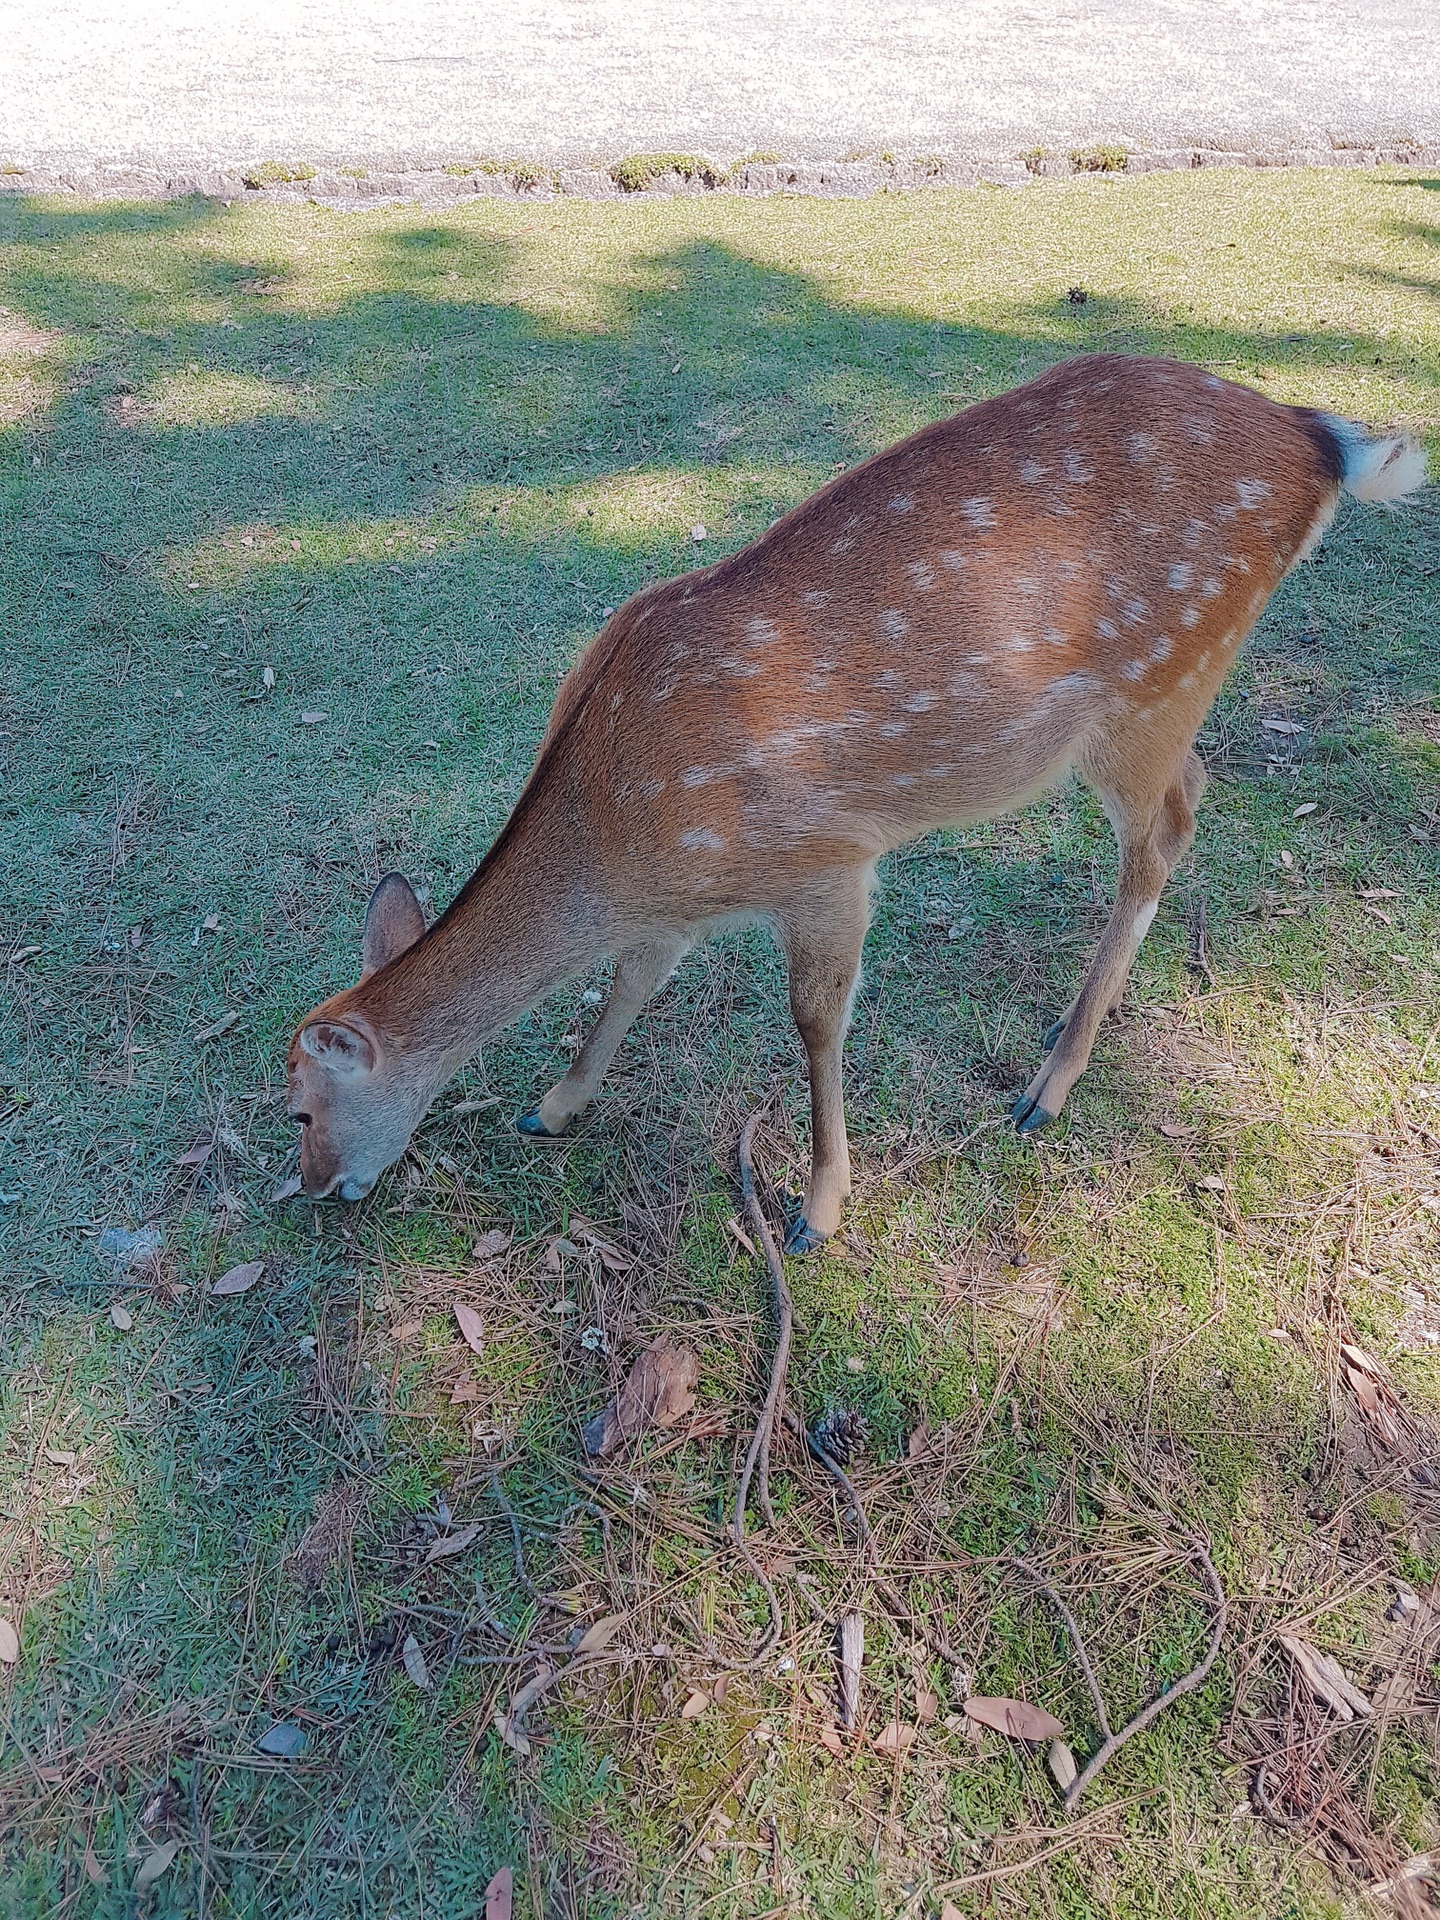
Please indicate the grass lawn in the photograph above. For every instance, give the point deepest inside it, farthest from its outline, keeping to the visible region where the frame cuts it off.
(302, 517)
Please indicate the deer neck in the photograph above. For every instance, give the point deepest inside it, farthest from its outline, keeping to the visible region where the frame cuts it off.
(530, 918)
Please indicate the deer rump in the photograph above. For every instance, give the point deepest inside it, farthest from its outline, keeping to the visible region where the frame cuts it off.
(1056, 578)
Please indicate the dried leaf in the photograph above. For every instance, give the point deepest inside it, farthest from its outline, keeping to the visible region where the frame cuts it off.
(734, 1228)
(154, 1864)
(612, 1258)
(500, 1896)
(414, 1661)
(283, 1741)
(1173, 1130)
(286, 1190)
(1309, 806)
(1282, 726)
(949, 1911)
(1325, 1680)
(695, 1705)
(120, 1317)
(830, 1739)
(197, 1156)
(472, 1327)
(595, 1638)
(9, 1642)
(659, 1391)
(1015, 1717)
(489, 1244)
(918, 1444)
(852, 1658)
(59, 1457)
(239, 1279)
(312, 719)
(465, 1390)
(449, 1544)
(927, 1705)
(1062, 1766)
(406, 1330)
(267, 678)
(94, 1872)
(511, 1734)
(895, 1739)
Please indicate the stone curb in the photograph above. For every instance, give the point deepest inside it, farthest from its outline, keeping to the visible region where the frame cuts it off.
(825, 179)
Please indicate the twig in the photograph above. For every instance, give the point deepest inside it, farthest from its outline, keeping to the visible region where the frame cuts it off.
(1186, 1684)
(1199, 945)
(1077, 1644)
(516, 1543)
(758, 1455)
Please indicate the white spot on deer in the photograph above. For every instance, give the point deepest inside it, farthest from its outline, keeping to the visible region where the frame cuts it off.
(902, 779)
(1213, 381)
(892, 729)
(1071, 683)
(939, 773)
(842, 545)
(922, 575)
(735, 670)
(920, 702)
(979, 510)
(1134, 670)
(1186, 682)
(961, 686)
(1069, 570)
(701, 840)
(1026, 583)
(815, 598)
(1252, 493)
(1203, 661)
(1073, 461)
(1107, 630)
(1055, 637)
(760, 631)
(977, 659)
(703, 776)
(1162, 648)
(665, 692)
(1230, 638)
(1032, 470)
(953, 560)
(651, 789)
(891, 677)
(1201, 428)
(1020, 643)
(893, 624)
(902, 503)
(1211, 589)
(1180, 576)
(1134, 611)
(1143, 920)
(1237, 561)
(616, 700)
(1190, 617)
(1142, 448)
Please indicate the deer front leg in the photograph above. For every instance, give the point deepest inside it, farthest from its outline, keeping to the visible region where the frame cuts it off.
(639, 973)
(824, 957)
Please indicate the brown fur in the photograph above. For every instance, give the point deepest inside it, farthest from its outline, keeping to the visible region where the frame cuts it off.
(1058, 578)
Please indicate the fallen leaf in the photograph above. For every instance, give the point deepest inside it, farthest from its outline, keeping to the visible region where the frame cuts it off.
(286, 1190)
(852, 1659)
(927, 1705)
(154, 1864)
(595, 1638)
(1173, 1130)
(9, 1642)
(120, 1317)
(1378, 893)
(511, 1734)
(695, 1705)
(222, 1025)
(58, 1457)
(197, 1156)
(312, 719)
(500, 1896)
(895, 1739)
(489, 1244)
(1015, 1717)
(1325, 1680)
(472, 1327)
(267, 678)
(659, 1390)
(406, 1330)
(1282, 726)
(949, 1911)
(918, 1444)
(829, 1737)
(414, 1661)
(94, 1872)
(1378, 913)
(720, 1689)
(239, 1279)
(1211, 1182)
(449, 1544)
(1062, 1765)
(464, 1391)
(283, 1741)
(612, 1258)
(1310, 806)
(738, 1233)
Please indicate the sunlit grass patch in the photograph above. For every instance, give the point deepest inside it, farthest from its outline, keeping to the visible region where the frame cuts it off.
(195, 397)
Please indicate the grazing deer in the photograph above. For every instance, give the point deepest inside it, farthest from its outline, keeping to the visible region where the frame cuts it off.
(1056, 578)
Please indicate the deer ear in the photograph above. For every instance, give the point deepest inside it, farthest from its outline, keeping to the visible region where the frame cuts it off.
(394, 920)
(343, 1049)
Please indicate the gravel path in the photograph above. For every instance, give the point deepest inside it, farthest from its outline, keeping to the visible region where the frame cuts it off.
(199, 84)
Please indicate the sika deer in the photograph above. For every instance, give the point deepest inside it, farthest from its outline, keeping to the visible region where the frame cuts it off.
(1057, 578)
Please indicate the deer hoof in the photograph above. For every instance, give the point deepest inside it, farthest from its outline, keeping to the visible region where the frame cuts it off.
(1029, 1116)
(803, 1238)
(534, 1128)
(1052, 1034)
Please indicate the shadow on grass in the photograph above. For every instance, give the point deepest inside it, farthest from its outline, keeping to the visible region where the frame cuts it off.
(556, 468)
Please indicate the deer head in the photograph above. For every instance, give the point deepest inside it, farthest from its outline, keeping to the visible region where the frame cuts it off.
(357, 1099)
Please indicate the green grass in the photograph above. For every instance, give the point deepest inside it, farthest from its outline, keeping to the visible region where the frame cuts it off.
(640, 170)
(404, 460)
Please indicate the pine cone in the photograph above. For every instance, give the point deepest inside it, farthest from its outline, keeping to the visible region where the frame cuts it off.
(842, 1433)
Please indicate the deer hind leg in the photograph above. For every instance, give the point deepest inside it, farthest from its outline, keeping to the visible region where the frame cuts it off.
(823, 950)
(639, 973)
(1154, 835)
